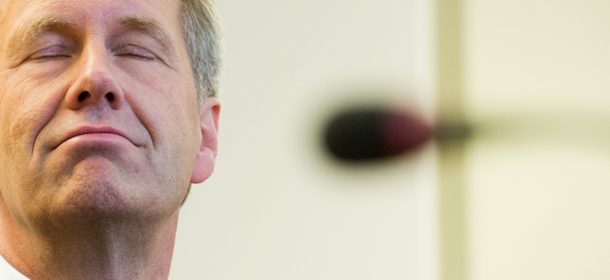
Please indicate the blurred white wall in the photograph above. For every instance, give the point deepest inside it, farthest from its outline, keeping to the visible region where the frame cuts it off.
(277, 207)
(537, 194)
(536, 190)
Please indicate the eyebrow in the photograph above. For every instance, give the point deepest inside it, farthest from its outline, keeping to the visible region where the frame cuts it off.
(147, 26)
(150, 27)
(34, 29)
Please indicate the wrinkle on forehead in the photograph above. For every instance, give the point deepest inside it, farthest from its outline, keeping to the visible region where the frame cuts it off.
(36, 21)
(2, 10)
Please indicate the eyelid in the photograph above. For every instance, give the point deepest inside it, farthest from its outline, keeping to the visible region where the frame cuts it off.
(134, 50)
(51, 52)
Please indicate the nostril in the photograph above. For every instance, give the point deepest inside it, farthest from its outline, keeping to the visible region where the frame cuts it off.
(110, 96)
(82, 96)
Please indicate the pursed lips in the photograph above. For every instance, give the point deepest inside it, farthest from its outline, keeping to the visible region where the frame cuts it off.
(84, 130)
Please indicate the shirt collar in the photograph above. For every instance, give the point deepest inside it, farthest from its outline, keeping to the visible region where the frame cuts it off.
(8, 272)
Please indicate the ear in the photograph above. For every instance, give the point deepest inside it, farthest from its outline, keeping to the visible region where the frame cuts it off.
(206, 156)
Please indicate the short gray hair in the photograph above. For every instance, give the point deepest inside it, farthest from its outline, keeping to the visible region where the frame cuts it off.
(201, 32)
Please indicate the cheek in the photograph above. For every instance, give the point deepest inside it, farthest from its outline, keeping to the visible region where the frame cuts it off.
(25, 107)
(161, 93)
(165, 110)
(166, 106)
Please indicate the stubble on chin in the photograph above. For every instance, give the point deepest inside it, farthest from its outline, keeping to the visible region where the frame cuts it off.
(94, 192)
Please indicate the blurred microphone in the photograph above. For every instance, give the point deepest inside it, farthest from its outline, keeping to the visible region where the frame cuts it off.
(369, 134)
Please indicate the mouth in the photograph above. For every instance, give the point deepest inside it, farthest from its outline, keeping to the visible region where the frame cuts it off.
(95, 133)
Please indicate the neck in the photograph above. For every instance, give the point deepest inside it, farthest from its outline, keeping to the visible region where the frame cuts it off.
(102, 250)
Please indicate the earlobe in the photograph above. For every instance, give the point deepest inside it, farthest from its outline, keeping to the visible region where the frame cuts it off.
(206, 156)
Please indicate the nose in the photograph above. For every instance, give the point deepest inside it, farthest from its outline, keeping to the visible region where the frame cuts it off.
(95, 84)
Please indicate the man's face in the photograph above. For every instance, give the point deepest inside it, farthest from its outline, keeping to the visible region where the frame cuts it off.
(98, 110)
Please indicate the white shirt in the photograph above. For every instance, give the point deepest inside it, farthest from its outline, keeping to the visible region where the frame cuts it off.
(8, 272)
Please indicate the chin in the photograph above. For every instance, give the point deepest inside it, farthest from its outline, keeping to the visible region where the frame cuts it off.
(97, 190)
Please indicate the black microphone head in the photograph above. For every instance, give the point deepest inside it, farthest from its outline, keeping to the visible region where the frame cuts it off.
(367, 134)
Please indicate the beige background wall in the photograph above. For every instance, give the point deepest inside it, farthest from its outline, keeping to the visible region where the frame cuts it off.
(538, 187)
(277, 207)
(533, 73)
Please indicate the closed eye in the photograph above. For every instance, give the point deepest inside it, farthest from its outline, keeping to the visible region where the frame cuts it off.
(133, 51)
(51, 53)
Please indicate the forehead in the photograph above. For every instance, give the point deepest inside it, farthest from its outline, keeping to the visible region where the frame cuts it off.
(78, 12)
